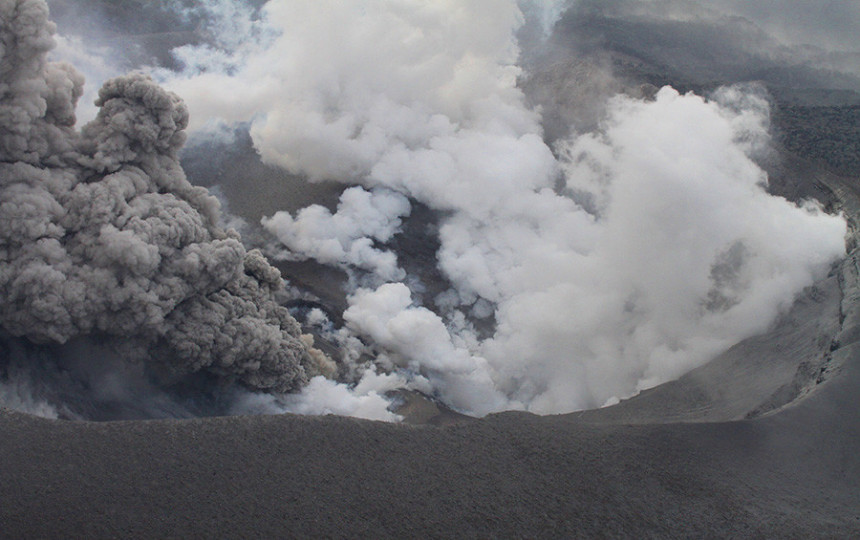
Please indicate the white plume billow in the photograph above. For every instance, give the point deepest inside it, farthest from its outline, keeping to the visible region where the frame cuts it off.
(618, 260)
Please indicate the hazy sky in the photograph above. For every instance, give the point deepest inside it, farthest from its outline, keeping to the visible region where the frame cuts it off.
(830, 24)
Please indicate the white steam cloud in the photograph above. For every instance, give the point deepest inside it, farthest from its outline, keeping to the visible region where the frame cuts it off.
(324, 396)
(348, 236)
(642, 251)
(18, 394)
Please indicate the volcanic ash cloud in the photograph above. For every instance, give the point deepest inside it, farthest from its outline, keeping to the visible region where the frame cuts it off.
(103, 236)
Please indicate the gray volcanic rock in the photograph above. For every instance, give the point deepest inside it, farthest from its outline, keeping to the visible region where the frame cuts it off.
(792, 474)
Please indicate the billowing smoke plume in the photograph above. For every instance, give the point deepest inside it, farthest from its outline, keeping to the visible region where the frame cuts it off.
(346, 237)
(101, 234)
(565, 277)
(617, 260)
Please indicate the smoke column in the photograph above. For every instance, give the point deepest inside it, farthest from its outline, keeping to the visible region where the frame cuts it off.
(104, 239)
(613, 262)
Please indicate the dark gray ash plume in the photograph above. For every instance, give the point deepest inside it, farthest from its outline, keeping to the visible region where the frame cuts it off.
(102, 235)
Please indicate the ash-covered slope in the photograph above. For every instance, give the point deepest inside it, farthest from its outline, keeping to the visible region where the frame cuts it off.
(791, 474)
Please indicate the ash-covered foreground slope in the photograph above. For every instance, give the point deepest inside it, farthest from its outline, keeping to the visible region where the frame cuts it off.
(789, 472)
(792, 474)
